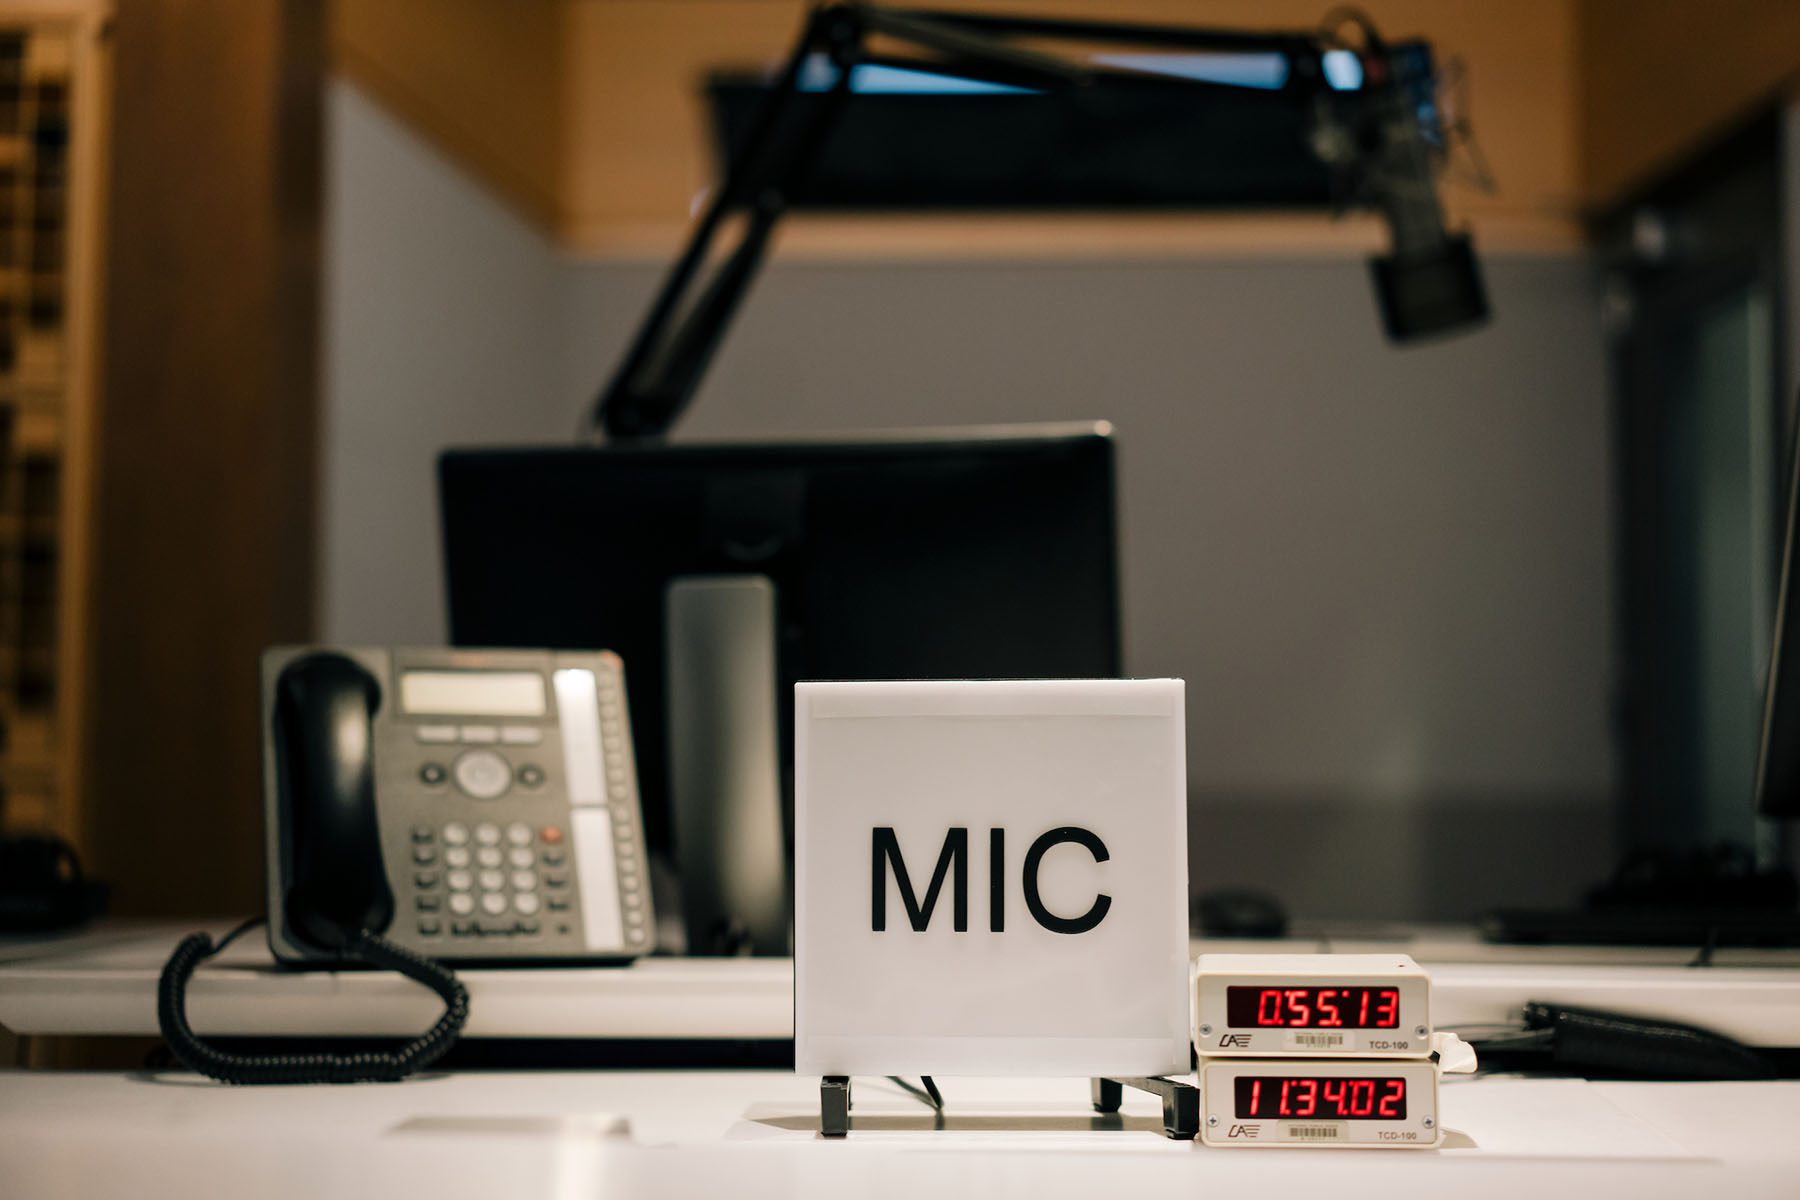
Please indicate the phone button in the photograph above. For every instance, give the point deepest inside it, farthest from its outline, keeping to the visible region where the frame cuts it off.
(459, 881)
(493, 904)
(429, 926)
(426, 903)
(521, 857)
(524, 881)
(489, 856)
(492, 881)
(525, 903)
(462, 904)
(426, 879)
(480, 733)
(521, 735)
(483, 774)
(531, 776)
(435, 733)
(487, 833)
(456, 834)
(457, 856)
(433, 774)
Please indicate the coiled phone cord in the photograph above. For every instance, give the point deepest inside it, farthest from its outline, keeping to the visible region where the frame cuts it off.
(374, 1067)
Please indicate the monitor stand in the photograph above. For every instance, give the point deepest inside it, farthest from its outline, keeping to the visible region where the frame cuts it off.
(724, 764)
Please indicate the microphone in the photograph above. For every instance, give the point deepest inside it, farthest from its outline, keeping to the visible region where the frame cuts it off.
(1430, 283)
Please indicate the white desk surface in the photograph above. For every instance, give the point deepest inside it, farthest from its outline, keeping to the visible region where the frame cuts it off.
(752, 1134)
(103, 982)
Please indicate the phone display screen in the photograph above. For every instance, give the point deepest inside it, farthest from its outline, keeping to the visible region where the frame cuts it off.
(473, 693)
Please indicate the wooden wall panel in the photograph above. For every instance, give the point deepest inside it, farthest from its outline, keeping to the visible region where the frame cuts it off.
(483, 78)
(1661, 78)
(205, 503)
(634, 152)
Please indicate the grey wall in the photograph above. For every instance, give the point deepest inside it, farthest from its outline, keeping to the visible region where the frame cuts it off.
(441, 326)
(1384, 575)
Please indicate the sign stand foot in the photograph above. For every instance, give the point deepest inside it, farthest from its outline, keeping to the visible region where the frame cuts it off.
(1180, 1101)
(834, 1106)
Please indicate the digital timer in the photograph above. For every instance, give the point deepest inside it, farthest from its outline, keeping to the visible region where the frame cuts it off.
(1313, 1007)
(1292, 1102)
(1319, 1005)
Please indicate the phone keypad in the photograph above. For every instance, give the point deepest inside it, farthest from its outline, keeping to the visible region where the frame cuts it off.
(491, 901)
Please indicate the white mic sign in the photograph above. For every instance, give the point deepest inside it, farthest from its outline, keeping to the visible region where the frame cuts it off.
(990, 878)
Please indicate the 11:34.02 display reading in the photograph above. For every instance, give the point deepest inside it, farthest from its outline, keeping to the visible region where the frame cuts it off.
(1312, 1007)
(1336, 1098)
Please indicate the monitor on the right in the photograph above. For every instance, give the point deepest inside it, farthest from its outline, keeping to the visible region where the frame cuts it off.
(1778, 760)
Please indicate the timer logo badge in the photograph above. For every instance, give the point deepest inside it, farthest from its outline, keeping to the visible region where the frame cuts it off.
(1245, 1131)
(1240, 1041)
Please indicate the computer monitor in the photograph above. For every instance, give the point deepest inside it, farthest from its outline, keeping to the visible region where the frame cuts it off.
(724, 573)
(1713, 896)
(1778, 758)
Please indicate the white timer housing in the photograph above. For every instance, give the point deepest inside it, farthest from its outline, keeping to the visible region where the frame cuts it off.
(1315, 1005)
(1343, 1103)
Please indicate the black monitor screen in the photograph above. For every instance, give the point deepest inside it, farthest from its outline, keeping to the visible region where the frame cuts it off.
(966, 556)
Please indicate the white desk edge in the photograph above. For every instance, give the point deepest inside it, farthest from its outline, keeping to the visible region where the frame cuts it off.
(105, 984)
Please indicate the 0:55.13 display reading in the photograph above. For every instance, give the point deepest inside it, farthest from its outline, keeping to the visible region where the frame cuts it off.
(1312, 1007)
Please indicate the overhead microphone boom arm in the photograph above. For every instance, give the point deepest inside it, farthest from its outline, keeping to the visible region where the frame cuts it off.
(671, 350)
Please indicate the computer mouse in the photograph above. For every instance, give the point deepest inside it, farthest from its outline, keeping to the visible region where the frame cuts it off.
(1240, 912)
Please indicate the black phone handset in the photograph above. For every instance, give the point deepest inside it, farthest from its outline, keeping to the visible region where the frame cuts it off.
(335, 882)
(335, 897)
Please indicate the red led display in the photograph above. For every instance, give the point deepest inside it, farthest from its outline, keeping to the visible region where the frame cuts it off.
(1322, 1097)
(1312, 1007)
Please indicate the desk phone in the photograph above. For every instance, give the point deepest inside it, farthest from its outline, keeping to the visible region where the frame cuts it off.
(474, 806)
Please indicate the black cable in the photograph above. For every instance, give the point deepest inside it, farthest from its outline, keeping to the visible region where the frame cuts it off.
(929, 1093)
(1349, 14)
(1708, 944)
(381, 1066)
(245, 927)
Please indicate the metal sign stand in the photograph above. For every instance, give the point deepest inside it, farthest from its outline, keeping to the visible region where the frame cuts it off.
(1180, 1102)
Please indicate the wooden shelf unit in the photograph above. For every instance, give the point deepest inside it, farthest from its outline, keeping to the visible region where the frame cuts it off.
(51, 117)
